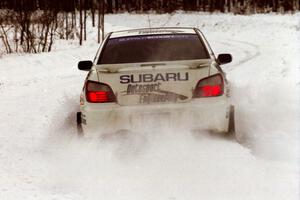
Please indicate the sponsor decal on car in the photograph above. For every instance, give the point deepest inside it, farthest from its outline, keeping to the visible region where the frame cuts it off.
(151, 93)
(142, 88)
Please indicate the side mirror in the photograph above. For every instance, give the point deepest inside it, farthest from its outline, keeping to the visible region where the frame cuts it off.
(224, 58)
(85, 65)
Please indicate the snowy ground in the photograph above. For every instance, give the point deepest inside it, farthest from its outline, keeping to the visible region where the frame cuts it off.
(40, 158)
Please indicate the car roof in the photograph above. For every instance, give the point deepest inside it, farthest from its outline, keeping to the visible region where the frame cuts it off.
(152, 31)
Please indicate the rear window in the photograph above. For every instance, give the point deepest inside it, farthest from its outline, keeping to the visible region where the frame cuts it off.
(153, 48)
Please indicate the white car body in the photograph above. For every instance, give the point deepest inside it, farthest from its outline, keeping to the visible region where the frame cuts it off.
(157, 93)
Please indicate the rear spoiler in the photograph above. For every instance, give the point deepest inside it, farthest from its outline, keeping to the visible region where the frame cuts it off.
(189, 64)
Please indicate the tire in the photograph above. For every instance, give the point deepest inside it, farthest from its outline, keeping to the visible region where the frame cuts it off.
(231, 122)
(78, 122)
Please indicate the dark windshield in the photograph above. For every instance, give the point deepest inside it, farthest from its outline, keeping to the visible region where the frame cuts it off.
(153, 48)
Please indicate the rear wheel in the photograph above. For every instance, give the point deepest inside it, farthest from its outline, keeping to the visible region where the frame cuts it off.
(231, 122)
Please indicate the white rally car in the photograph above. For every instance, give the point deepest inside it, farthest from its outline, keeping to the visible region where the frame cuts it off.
(167, 77)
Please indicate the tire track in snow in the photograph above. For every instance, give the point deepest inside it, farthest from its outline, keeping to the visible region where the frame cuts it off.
(168, 21)
(250, 50)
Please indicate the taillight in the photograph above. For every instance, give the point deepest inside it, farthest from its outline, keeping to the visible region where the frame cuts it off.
(209, 87)
(99, 93)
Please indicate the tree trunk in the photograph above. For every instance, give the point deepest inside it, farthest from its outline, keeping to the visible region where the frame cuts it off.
(109, 6)
(84, 22)
(197, 4)
(16, 39)
(93, 13)
(53, 28)
(225, 7)
(27, 31)
(5, 40)
(276, 5)
(46, 37)
(203, 5)
(117, 5)
(141, 5)
(67, 25)
(73, 25)
(100, 5)
(102, 20)
(128, 6)
(212, 6)
(80, 22)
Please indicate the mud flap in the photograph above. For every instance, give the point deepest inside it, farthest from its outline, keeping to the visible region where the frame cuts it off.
(79, 125)
(231, 122)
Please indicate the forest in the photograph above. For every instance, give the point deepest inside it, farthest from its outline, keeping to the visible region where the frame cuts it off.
(33, 25)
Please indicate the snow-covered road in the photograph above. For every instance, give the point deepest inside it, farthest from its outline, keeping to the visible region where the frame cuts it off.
(41, 158)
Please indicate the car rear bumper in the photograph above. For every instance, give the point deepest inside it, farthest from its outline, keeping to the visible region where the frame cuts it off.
(203, 114)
